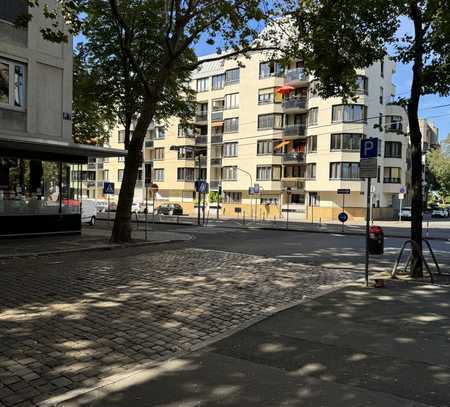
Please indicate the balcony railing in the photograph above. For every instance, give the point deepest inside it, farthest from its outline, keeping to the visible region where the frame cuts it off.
(297, 74)
(214, 184)
(217, 139)
(100, 166)
(202, 162)
(394, 126)
(216, 162)
(293, 183)
(293, 158)
(201, 140)
(294, 103)
(201, 116)
(92, 166)
(391, 180)
(149, 143)
(292, 130)
(216, 116)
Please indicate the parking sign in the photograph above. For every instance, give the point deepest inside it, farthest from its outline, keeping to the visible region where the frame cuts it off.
(369, 148)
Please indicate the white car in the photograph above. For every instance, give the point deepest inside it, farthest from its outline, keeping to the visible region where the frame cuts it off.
(135, 207)
(88, 212)
(405, 213)
(439, 213)
(102, 205)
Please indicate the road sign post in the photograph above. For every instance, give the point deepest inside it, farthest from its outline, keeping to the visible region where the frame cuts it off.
(288, 192)
(401, 196)
(154, 188)
(368, 168)
(108, 189)
(343, 192)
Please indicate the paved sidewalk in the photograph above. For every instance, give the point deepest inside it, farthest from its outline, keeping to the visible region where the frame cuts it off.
(91, 239)
(69, 327)
(354, 347)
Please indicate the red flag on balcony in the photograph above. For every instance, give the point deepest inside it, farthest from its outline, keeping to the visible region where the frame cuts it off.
(284, 90)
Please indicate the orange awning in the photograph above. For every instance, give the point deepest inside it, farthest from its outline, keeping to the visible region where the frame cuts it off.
(285, 89)
(282, 144)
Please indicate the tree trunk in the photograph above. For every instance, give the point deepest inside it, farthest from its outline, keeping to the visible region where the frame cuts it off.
(122, 223)
(416, 142)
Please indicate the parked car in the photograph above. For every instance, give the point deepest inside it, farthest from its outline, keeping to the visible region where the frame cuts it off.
(439, 213)
(112, 207)
(143, 208)
(405, 213)
(101, 205)
(169, 209)
(88, 212)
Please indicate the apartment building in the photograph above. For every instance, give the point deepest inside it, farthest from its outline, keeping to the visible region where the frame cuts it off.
(430, 141)
(264, 139)
(36, 148)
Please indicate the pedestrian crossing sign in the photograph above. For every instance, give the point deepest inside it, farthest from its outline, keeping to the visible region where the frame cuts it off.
(108, 188)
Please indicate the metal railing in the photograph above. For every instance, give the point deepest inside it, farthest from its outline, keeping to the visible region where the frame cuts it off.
(217, 139)
(214, 184)
(216, 116)
(294, 103)
(294, 130)
(201, 117)
(216, 162)
(199, 140)
(297, 74)
(202, 161)
(294, 157)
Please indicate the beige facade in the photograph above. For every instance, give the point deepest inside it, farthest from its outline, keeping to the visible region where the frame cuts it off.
(296, 147)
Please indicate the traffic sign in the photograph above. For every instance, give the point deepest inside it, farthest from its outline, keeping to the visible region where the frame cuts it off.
(403, 190)
(343, 217)
(401, 196)
(368, 168)
(251, 190)
(369, 148)
(108, 188)
(154, 188)
(343, 191)
(256, 188)
(201, 186)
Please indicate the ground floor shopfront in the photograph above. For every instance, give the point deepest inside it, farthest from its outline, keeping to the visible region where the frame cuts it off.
(37, 195)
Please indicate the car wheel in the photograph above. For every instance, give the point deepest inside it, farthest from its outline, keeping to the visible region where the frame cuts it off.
(92, 221)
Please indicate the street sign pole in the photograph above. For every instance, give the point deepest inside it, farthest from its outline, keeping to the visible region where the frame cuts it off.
(343, 208)
(367, 230)
(109, 209)
(400, 213)
(204, 207)
(153, 197)
(199, 197)
(146, 209)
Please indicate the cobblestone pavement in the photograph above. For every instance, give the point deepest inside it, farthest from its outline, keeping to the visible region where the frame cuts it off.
(69, 326)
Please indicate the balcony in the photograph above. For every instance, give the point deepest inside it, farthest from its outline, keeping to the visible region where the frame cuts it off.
(217, 139)
(214, 184)
(295, 76)
(201, 140)
(201, 117)
(202, 162)
(217, 116)
(92, 166)
(395, 127)
(100, 166)
(294, 130)
(294, 104)
(293, 158)
(216, 162)
(149, 144)
(296, 184)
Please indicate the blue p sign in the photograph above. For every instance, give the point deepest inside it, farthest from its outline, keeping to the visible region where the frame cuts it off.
(369, 148)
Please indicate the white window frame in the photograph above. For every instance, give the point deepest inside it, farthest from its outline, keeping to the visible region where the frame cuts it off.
(231, 101)
(205, 84)
(230, 149)
(12, 85)
(158, 174)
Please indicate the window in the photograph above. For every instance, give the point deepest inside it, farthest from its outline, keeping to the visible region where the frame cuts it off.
(311, 144)
(106, 175)
(311, 171)
(185, 174)
(381, 94)
(349, 113)
(268, 69)
(120, 175)
(393, 149)
(232, 101)
(202, 85)
(160, 133)
(157, 154)
(217, 105)
(344, 170)
(230, 149)
(10, 10)
(268, 172)
(218, 81)
(185, 153)
(266, 147)
(158, 174)
(231, 125)
(294, 171)
(229, 173)
(391, 175)
(120, 159)
(232, 76)
(12, 84)
(121, 136)
(313, 116)
(362, 84)
(346, 141)
(233, 197)
(270, 121)
(268, 95)
(394, 123)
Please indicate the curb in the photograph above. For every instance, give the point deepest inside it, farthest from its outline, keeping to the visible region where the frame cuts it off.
(92, 248)
(74, 394)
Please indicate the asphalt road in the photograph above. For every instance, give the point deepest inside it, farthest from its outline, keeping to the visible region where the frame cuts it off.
(332, 250)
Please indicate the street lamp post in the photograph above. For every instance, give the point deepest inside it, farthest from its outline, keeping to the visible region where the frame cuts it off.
(251, 184)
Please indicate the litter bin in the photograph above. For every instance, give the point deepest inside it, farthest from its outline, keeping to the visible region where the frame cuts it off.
(376, 240)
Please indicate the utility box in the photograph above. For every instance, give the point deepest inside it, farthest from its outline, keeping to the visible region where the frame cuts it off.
(376, 240)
